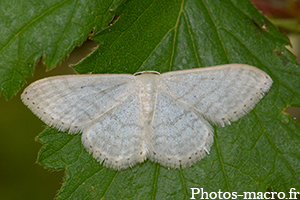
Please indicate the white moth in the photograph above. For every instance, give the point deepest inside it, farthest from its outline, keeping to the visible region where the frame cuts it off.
(126, 119)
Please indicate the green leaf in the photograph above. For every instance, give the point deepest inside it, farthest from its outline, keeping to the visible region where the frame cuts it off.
(258, 151)
(30, 29)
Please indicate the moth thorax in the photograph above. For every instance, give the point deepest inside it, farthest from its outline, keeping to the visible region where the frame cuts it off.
(147, 94)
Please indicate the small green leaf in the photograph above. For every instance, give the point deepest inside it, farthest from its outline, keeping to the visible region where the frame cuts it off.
(258, 151)
(52, 29)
